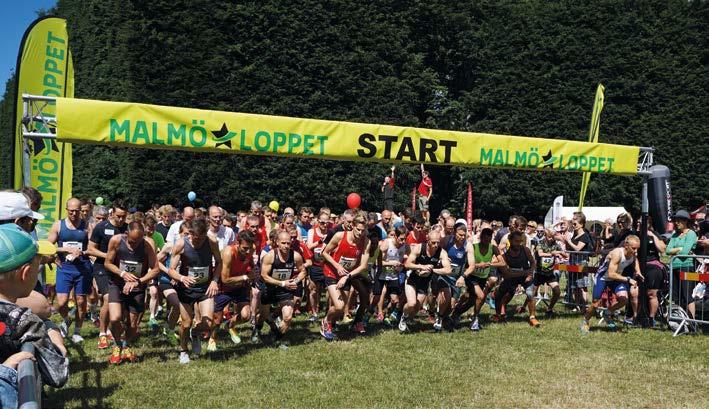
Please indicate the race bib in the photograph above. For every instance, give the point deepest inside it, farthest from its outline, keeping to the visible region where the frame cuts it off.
(200, 274)
(317, 254)
(348, 263)
(390, 273)
(281, 274)
(73, 245)
(131, 267)
(547, 264)
(109, 232)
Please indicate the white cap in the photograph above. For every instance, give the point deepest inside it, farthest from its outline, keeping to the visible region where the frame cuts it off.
(462, 221)
(14, 205)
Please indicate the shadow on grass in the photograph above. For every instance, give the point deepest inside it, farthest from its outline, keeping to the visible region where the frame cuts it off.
(91, 393)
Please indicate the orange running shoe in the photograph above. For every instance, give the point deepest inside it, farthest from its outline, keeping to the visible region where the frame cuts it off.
(115, 355)
(533, 321)
(128, 355)
(102, 342)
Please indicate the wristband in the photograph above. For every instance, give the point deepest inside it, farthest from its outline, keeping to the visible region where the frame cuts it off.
(282, 284)
(122, 274)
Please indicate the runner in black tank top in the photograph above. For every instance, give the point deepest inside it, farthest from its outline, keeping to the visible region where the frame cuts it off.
(132, 263)
(424, 260)
(282, 270)
(518, 270)
(198, 258)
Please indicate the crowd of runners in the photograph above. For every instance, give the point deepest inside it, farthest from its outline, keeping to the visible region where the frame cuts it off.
(198, 274)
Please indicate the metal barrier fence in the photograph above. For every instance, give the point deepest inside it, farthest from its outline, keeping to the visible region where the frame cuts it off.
(579, 269)
(29, 383)
(688, 302)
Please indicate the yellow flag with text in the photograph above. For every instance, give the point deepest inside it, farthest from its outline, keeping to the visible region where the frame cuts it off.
(44, 67)
(164, 127)
(593, 138)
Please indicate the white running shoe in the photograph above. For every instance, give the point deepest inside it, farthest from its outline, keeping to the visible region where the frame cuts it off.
(403, 327)
(77, 339)
(184, 357)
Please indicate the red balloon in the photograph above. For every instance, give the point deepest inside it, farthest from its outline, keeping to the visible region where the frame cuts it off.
(353, 201)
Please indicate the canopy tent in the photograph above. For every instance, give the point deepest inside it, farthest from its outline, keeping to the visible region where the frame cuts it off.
(593, 214)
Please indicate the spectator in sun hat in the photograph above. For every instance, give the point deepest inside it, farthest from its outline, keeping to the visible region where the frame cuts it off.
(20, 256)
(15, 208)
(681, 243)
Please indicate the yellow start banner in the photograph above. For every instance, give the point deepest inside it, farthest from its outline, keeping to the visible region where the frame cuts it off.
(44, 67)
(162, 127)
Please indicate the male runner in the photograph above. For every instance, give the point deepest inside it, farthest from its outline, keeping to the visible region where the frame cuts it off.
(478, 281)
(424, 260)
(133, 263)
(461, 254)
(517, 268)
(281, 271)
(303, 224)
(235, 287)
(346, 257)
(610, 275)
(98, 247)
(74, 270)
(167, 217)
(393, 251)
(198, 259)
(548, 251)
(316, 244)
(188, 213)
(224, 236)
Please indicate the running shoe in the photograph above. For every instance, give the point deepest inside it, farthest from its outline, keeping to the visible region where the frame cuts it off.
(394, 316)
(490, 302)
(64, 327)
(629, 322)
(585, 327)
(326, 330)
(403, 326)
(96, 321)
(211, 345)
(110, 336)
(102, 342)
(184, 357)
(612, 325)
(234, 335)
(128, 355)
(499, 319)
(652, 324)
(550, 314)
(437, 324)
(152, 322)
(534, 322)
(313, 318)
(77, 339)
(255, 336)
(347, 320)
(359, 328)
(283, 344)
(115, 357)
(475, 325)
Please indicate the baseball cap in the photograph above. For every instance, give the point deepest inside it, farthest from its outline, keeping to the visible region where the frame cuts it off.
(18, 248)
(14, 205)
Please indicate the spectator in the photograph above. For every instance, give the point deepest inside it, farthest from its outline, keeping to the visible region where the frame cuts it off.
(681, 243)
(20, 256)
(388, 190)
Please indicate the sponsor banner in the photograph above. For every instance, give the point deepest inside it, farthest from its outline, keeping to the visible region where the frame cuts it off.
(44, 67)
(593, 138)
(162, 127)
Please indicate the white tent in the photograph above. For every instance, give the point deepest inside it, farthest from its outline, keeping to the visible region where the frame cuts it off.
(593, 214)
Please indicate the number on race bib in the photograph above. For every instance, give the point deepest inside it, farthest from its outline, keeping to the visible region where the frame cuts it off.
(73, 245)
(281, 274)
(317, 254)
(131, 267)
(200, 274)
(348, 263)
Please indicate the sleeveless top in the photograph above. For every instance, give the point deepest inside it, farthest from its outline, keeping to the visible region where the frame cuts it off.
(77, 238)
(317, 251)
(131, 261)
(624, 262)
(432, 260)
(346, 254)
(518, 263)
(393, 253)
(483, 258)
(197, 263)
(283, 270)
(458, 257)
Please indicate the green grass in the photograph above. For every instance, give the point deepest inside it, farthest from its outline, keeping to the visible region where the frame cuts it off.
(503, 366)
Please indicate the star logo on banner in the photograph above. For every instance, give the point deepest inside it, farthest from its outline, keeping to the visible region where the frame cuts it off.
(223, 136)
(549, 160)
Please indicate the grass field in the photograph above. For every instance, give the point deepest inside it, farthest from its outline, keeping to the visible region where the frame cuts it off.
(503, 366)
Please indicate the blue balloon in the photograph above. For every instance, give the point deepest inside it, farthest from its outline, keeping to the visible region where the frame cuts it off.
(191, 196)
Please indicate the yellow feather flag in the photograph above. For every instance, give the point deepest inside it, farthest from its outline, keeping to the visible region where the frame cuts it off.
(592, 137)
